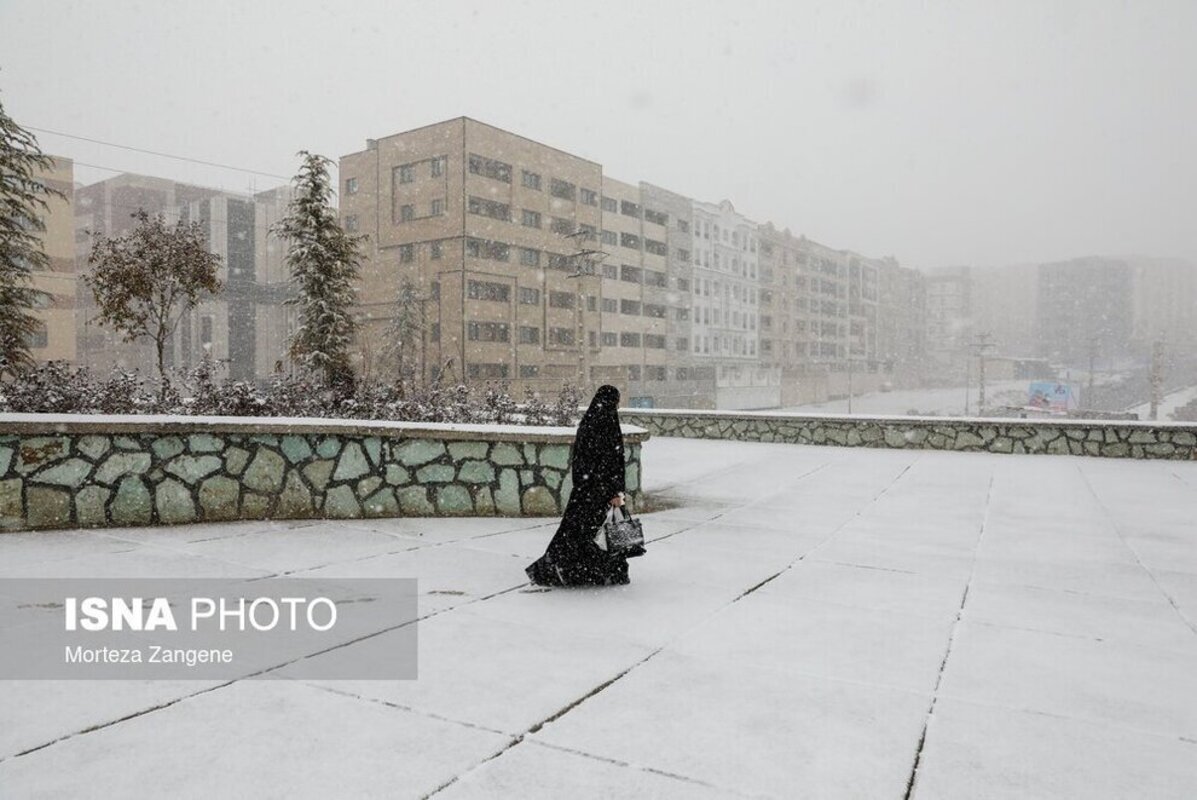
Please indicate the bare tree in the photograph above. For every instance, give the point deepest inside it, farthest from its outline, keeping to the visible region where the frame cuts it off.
(146, 280)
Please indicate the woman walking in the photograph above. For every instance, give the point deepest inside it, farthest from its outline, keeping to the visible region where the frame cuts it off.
(573, 558)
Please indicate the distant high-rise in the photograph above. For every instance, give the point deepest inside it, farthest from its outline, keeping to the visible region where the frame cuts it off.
(244, 328)
(1084, 307)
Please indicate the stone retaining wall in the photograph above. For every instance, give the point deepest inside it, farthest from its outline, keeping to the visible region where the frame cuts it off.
(1108, 438)
(61, 471)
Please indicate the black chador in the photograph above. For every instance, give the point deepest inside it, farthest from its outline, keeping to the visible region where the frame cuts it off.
(597, 467)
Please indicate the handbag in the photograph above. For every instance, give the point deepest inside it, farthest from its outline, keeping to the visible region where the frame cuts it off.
(621, 536)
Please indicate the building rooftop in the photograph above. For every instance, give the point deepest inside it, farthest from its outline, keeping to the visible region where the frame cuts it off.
(807, 622)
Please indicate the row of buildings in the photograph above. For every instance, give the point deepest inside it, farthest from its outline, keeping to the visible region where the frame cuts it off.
(533, 267)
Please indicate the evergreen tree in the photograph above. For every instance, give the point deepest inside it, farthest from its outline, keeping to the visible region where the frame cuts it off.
(145, 281)
(405, 334)
(324, 261)
(23, 200)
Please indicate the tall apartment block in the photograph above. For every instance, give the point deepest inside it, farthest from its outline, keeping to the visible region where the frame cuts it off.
(55, 338)
(1084, 306)
(244, 328)
(532, 266)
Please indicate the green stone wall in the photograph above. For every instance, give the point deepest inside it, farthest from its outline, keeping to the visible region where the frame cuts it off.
(1109, 439)
(140, 477)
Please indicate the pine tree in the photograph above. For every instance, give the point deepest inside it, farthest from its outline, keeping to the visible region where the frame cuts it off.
(405, 334)
(145, 281)
(23, 200)
(324, 261)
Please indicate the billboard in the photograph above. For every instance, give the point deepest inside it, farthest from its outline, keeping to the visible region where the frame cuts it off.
(1052, 396)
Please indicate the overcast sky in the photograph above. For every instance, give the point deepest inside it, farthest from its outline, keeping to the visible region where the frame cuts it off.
(941, 133)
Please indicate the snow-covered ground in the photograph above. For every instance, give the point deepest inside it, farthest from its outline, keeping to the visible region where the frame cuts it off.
(942, 402)
(808, 622)
(1170, 402)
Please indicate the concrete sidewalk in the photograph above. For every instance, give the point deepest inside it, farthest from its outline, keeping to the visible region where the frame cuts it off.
(809, 622)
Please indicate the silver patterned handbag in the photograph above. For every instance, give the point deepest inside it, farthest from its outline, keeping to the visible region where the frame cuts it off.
(623, 535)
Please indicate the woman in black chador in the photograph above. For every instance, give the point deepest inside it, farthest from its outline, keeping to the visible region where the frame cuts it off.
(573, 558)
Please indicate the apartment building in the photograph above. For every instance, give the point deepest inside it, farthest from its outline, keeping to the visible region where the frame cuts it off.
(54, 339)
(949, 323)
(244, 328)
(535, 267)
(1085, 306)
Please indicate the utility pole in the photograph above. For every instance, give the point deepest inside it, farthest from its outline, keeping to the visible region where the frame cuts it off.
(981, 346)
(849, 381)
(584, 259)
(1092, 365)
(1157, 377)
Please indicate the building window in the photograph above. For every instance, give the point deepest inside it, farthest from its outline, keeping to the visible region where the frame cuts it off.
(488, 332)
(609, 204)
(529, 297)
(653, 277)
(654, 373)
(351, 223)
(629, 339)
(435, 250)
(529, 370)
(629, 240)
(610, 339)
(489, 208)
(631, 274)
(681, 314)
(654, 310)
(438, 167)
(655, 217)
(682, 374)
(654, 341)
(407, 173)
(561, 299)
(529, 258)
(610, 271)
(436, 290)
(351, 186)
(490, 168)
(205, 331)
(589, 197)
(487, 371)
(407, 213)
(487, 290)
(531, 219)
(609, 238)
(631, 307)
(561, 336)
(629, 209)
(683, 285)
(561, 225)
(438, 207)
(610, 305)
(633, 372)
(529, 335)
(683, 226)
(591, 303)
(562, 189)
(484, 248)
(407, 253)
(593, 338)
(531, 180)
(683, 255)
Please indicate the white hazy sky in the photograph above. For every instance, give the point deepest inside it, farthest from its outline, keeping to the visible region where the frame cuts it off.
(942, 133)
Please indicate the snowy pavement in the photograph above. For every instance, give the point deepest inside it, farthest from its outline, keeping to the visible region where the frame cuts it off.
(809, 622)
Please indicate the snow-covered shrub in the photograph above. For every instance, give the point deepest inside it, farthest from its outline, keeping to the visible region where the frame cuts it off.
(56, 387)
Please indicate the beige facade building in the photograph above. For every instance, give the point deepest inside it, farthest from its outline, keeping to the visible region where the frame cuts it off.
(55, 339)
(244, 328)
(534, 268)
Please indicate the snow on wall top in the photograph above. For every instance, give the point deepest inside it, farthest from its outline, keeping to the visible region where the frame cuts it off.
(170, 423)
